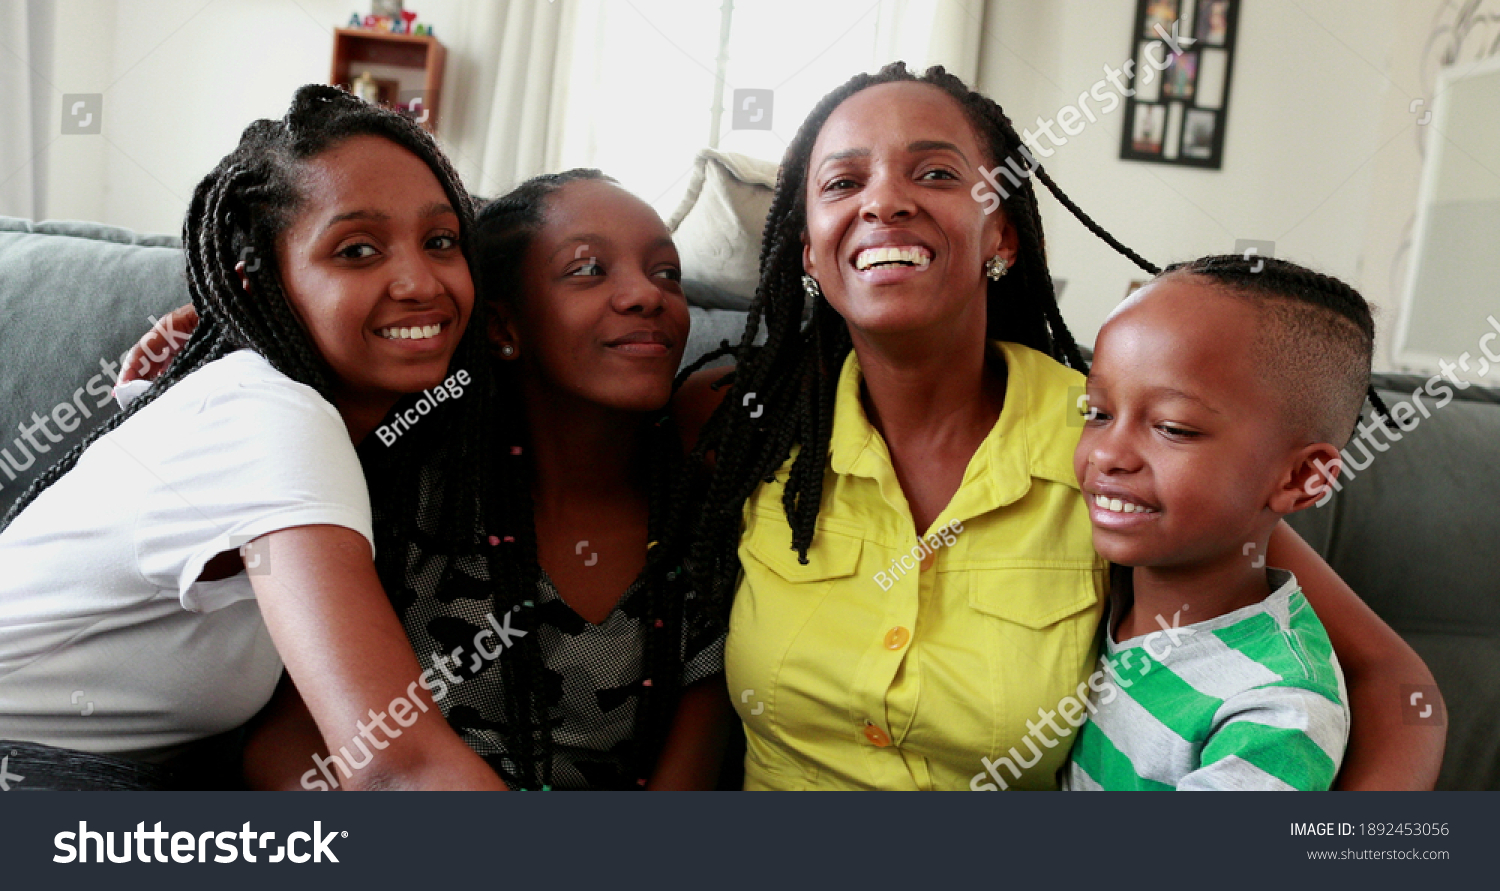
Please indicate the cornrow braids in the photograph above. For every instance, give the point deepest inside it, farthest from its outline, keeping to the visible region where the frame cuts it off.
(234, 216)
(1328, 324)
(504, 230)
(793, 376)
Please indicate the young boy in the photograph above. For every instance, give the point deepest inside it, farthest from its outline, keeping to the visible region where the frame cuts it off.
(1219, 398)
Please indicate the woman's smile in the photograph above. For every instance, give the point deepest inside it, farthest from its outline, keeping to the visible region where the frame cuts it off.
(423, 333)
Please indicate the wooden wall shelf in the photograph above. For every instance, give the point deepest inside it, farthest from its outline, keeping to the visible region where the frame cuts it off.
(409, 69)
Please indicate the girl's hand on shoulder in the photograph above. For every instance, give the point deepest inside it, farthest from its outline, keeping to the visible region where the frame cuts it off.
(158, 347)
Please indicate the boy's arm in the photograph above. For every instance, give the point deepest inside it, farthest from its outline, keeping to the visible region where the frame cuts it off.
(1385, 752)
(1272, 739)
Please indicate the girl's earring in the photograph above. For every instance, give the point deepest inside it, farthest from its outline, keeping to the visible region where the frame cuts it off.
(996, 267)
(810, 285)
(507, 351)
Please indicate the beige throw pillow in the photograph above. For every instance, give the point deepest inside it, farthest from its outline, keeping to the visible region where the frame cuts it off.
(718, 226)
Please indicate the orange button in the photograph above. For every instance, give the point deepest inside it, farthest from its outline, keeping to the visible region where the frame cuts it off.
(930, 559)
(897, 638)
(877, 736)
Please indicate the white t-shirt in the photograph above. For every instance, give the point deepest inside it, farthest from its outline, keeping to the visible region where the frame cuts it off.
(108, 643)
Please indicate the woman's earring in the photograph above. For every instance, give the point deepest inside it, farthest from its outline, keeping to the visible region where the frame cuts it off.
(996, 267)
(810, 285)
(507, 351)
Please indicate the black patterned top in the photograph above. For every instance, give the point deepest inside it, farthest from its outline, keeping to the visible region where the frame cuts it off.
(594, 673)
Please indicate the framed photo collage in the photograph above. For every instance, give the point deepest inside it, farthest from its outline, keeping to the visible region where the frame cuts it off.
(1181, 101)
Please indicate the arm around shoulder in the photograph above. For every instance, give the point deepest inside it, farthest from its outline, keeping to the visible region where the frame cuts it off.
(350, 660)
(1385, 752)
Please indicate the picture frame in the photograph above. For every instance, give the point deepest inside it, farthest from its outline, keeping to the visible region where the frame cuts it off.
(1177, 102)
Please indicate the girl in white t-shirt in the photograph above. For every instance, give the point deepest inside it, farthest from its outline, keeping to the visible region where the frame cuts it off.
(325, 256)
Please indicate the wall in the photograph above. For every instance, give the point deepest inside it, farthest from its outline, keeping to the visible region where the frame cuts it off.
(1322, 154)
(1319, 154)
(180, 79)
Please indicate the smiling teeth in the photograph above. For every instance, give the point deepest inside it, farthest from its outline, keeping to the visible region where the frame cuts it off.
(420, 333)
(916, 256)
(1120, 507)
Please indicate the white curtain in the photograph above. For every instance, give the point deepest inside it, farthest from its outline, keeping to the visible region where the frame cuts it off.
(28, 96)
(505, 84)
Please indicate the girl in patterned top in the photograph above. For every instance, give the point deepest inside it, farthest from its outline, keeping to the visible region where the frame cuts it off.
(588, 324)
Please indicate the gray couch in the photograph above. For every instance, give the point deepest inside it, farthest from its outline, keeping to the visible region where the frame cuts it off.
(1416, 533)
(75, 296)
(1412, 533)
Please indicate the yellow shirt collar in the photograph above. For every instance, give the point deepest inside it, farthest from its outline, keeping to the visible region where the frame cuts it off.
(1032, 438)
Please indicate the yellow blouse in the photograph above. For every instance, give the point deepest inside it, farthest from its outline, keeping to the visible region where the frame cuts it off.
(889, 663)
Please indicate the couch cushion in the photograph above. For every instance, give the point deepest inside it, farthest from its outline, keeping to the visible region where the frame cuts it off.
(718, 225)
(1415, 533)
(73, 296)
(711, 327)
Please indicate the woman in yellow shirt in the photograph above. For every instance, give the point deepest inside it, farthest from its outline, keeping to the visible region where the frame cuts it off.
(919, 591)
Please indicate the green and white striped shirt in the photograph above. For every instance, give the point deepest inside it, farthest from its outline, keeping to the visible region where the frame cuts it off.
(1252, 699)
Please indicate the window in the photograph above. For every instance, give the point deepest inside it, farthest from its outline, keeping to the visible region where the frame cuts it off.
(644, 76)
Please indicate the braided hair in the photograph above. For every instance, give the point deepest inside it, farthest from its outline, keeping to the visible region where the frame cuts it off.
(504, 231)
(1317, 343)
(794, 375)
(235, 215)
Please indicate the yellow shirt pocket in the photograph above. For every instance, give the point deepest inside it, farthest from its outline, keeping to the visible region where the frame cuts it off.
(1041, 628)
(832, 555)
(1034, 596)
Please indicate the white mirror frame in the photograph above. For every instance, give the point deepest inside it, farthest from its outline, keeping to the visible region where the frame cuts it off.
(1404, 356)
